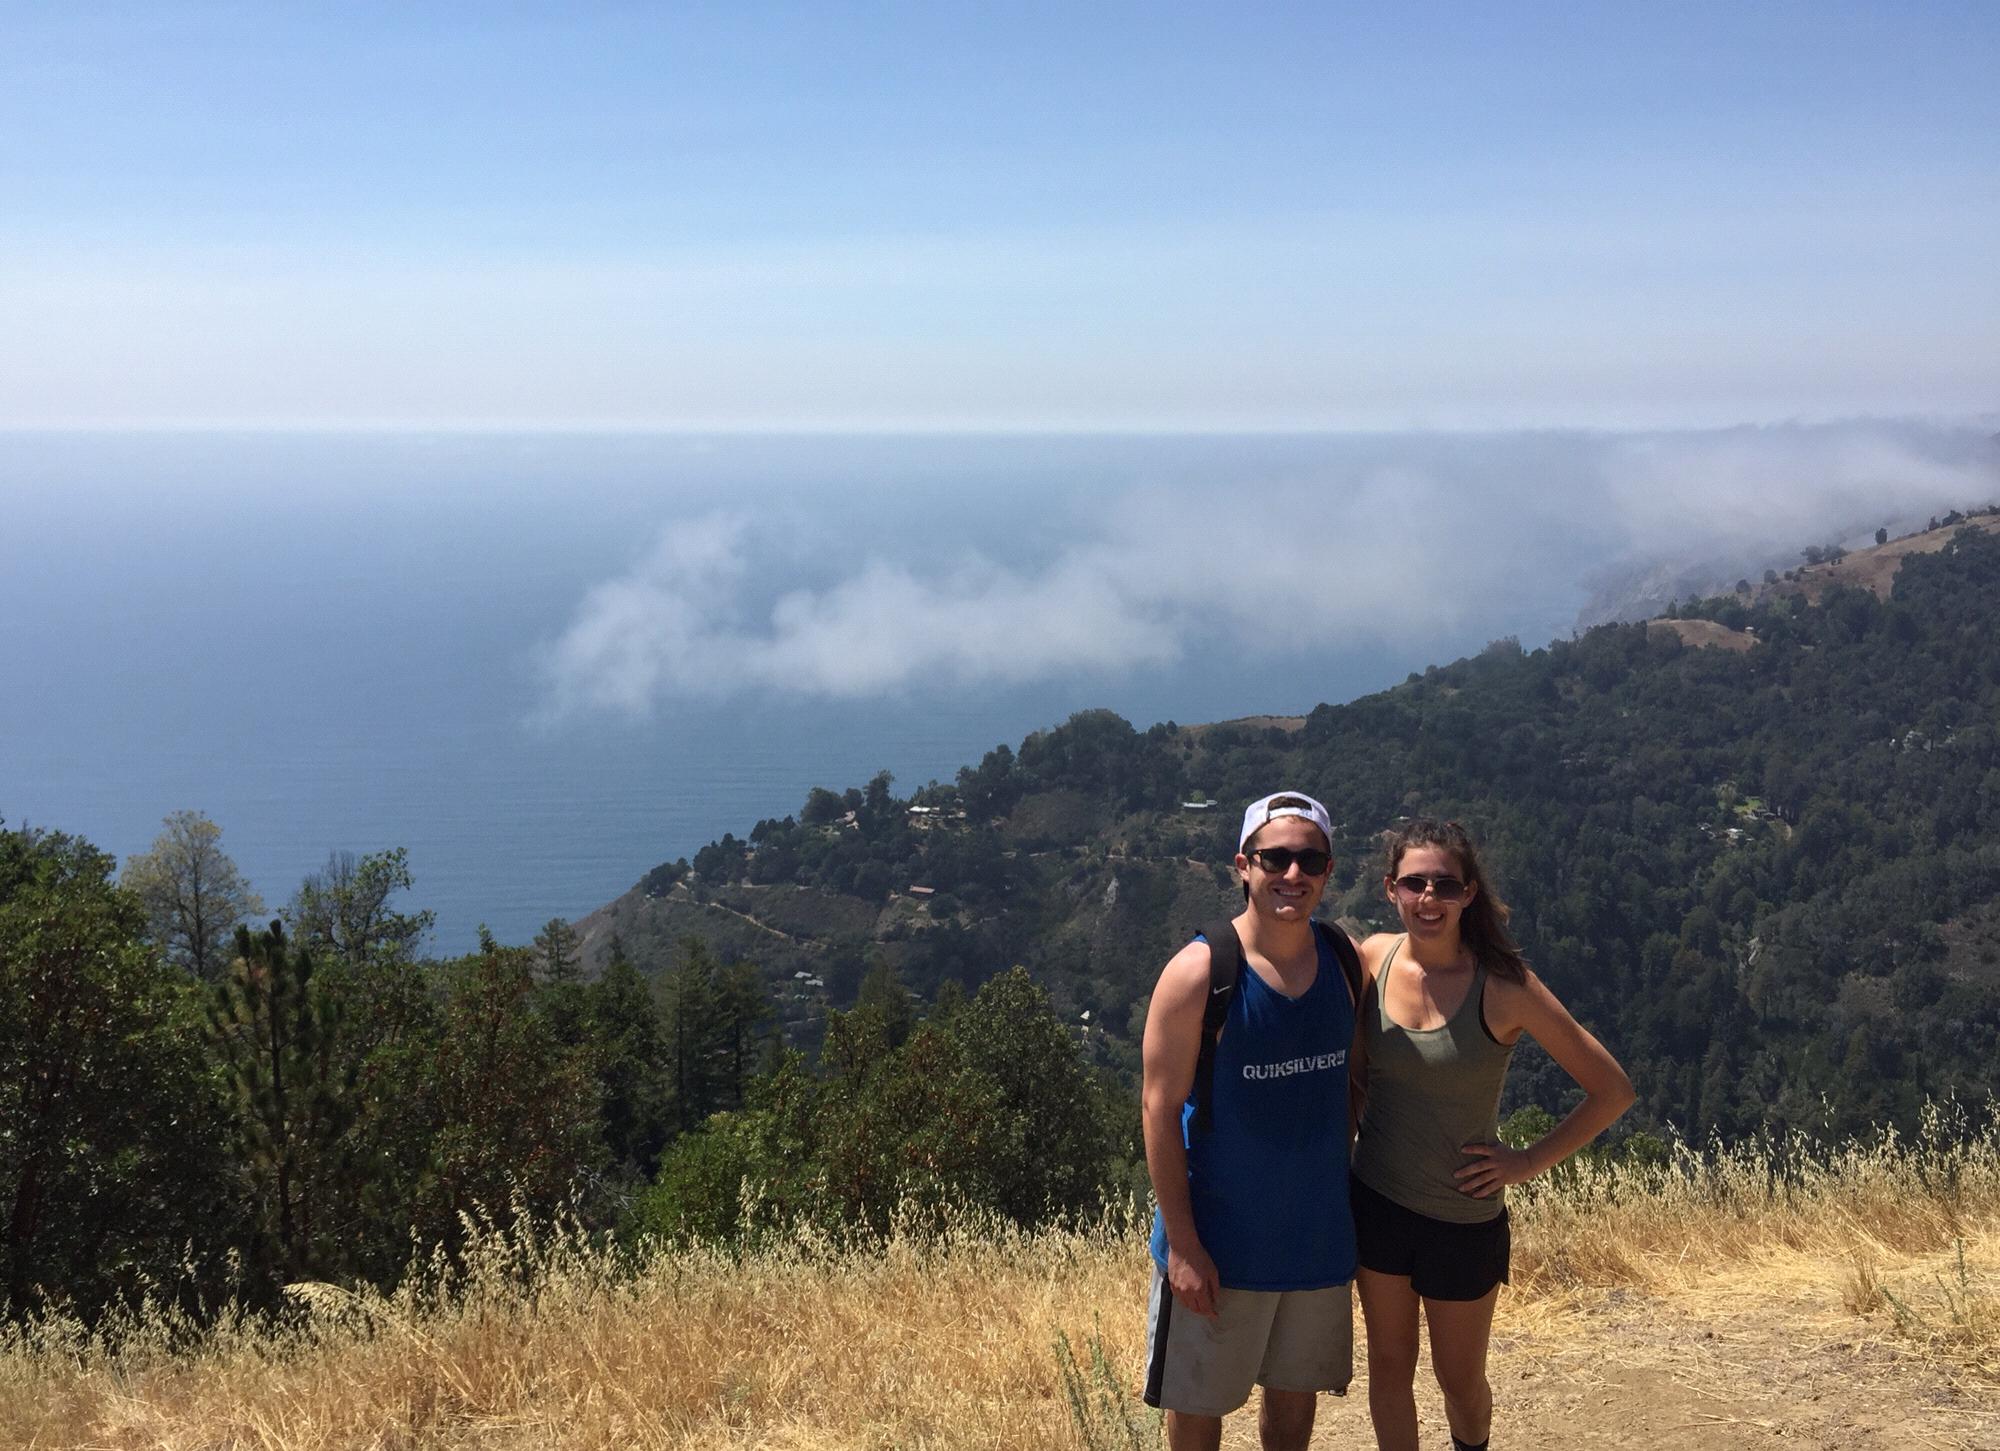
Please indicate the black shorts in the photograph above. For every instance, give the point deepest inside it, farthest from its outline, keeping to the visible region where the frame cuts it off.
(1444, 1261)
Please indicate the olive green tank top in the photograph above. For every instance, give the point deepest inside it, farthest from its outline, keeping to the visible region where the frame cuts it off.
(1430, 1092)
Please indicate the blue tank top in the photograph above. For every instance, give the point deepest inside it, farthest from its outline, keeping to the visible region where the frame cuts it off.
(1269, 1182)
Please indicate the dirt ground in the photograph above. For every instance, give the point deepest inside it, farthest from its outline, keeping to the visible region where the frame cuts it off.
(1629, 1371)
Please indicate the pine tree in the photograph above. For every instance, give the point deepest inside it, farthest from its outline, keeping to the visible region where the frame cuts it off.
(278, 1037)
(627, 1041)
(557, 946)
(693, 1038)
(558, 967)
(742, 1010)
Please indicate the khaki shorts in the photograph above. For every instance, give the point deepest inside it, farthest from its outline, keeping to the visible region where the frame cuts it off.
(1285, 1340)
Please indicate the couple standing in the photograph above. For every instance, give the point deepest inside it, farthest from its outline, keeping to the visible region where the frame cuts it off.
(1248, 1140)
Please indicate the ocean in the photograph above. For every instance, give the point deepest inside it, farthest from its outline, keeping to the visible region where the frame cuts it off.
(508, 654)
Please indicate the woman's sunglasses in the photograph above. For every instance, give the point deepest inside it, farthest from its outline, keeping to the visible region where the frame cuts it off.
(1444, 889)
(1277, 860)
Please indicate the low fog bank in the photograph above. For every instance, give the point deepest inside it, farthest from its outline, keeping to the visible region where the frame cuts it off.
(1340, 543)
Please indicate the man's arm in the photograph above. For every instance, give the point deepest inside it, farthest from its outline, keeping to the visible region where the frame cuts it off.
(1170, 1048)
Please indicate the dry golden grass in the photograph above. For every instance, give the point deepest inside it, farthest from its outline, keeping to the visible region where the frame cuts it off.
(947, 1342)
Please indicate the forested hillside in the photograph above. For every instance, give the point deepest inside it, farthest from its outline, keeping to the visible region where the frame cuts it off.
(1756, 846)
(1768, 875)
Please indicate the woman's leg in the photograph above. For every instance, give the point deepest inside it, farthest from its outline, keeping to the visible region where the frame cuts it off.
(1389, 1312)
(1460, 1331)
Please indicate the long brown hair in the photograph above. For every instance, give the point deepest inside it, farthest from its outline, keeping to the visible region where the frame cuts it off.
(1483, 924)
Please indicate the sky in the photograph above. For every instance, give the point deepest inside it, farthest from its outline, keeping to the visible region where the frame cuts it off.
(939, 217)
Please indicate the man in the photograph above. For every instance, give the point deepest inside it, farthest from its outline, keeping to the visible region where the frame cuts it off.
(1253, 1244)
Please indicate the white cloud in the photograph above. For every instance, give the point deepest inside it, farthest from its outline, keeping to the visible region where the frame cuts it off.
(1781, 484)
(1281, 568)
(1349, 556)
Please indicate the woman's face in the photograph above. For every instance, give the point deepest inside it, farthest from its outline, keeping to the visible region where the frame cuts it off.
(1289, 895)
(1429, 892)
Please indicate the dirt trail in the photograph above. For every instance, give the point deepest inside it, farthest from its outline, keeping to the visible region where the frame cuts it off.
(1629, 1371)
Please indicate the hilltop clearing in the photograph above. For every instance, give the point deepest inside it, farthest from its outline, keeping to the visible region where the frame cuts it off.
(1703, 633)
(1286, 723)
(1873, 569)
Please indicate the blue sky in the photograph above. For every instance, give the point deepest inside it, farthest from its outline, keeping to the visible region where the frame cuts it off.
(941, 216)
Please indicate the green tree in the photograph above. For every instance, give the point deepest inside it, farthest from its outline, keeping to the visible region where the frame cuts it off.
(1525, 1126)
(628, 1043)
(392, 1023)
(699, 1193)
(558, 965)
(921, 1128)
(193, 894)
(516, 1112)
(559, 951)
(742, 1009)
(344, 909)
(884, 1011)
(822, 808)
(990, 789)
(277, 1034)
(111, 1132)
(1050, 1146)
(693, 1038)
(990, 1106)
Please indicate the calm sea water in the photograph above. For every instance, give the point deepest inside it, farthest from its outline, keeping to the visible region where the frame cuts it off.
(335, 642)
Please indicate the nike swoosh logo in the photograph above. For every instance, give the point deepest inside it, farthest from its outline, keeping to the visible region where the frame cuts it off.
(1218, 991)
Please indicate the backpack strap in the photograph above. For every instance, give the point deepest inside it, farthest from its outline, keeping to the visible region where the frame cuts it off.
(1350, 960)
(1225, 968)
(1225, 964)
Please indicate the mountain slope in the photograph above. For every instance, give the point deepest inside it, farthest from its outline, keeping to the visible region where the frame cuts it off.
(1767, 877)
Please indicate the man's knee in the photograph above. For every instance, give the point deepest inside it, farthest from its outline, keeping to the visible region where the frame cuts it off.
(1193, 1433)
(1285, 1419)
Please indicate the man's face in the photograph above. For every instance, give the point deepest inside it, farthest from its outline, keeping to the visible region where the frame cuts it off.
(1289, 895)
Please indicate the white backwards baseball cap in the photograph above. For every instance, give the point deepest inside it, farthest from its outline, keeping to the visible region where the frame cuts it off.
(1283, 803)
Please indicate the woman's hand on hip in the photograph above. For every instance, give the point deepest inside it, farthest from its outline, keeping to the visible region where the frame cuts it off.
(1496, 1167)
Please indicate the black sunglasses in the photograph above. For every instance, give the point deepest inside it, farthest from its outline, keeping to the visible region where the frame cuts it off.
(1445, 889)
(1277, 860)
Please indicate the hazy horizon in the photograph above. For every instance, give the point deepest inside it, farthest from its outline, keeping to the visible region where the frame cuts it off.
(892, 216)
(545, 664)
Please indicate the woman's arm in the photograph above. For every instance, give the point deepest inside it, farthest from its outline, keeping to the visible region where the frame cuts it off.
(1531, 1008)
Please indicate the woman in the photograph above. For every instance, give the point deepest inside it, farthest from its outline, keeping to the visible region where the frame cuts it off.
(1446, 1000)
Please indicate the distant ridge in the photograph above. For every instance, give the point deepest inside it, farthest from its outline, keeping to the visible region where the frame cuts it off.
(1875, 567)
(1646, 592)
(1756, 844)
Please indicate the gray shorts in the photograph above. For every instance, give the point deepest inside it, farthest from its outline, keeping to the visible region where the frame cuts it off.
(1286, 1340)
